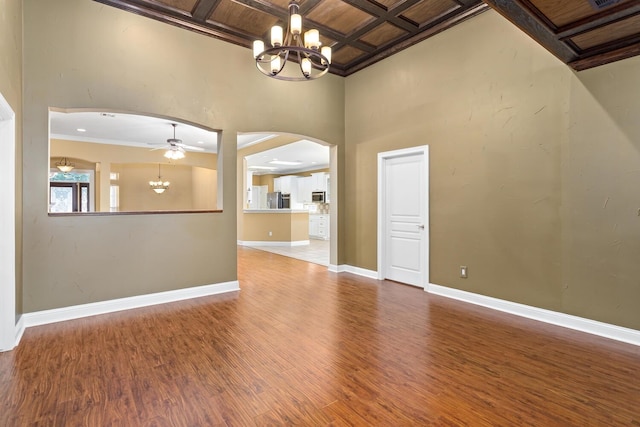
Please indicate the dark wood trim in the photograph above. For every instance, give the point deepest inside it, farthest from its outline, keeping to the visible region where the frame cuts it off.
(514, 11)
(606, 57)
(204, 9)
(598, 21)
(178, 21)
(382, 14)
(410, 41)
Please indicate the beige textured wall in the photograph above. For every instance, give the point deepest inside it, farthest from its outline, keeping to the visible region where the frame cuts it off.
(134, 187)
(284, 227)
(601, 197)
(135, 194)
(81, 53)
(299, 227)
(205, 188)
(533, 169)
(11, 89)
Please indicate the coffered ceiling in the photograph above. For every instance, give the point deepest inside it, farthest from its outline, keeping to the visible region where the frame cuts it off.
(581, 33)
(360, 32)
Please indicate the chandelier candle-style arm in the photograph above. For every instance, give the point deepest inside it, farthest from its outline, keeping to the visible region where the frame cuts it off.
(305, 49)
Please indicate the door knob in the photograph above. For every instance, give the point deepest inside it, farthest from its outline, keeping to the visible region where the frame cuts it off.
(421, 227)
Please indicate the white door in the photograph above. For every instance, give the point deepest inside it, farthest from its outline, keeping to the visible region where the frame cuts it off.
(403, 206)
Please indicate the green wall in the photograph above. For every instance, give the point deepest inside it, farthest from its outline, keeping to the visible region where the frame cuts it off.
(533, 168)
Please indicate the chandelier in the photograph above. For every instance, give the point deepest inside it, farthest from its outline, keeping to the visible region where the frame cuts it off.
(64, 165)
(312, 60)
(159, 186)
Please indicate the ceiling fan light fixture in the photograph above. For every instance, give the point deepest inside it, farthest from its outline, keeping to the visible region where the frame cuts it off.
(174, 153)
(302, 48)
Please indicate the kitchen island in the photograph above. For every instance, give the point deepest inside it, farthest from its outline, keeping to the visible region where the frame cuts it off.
(274, 227)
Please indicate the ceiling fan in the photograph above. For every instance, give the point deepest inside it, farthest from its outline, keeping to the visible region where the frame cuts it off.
(176, 148)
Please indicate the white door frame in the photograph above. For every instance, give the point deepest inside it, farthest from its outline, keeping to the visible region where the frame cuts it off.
(7, 226)
(382, 158)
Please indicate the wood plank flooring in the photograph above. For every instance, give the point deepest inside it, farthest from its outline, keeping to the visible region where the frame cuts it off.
(301, 346)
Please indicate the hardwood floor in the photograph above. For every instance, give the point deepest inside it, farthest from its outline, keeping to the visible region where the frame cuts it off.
(301, 346)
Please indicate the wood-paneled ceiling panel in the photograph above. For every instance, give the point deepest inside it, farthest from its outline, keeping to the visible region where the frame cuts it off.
(346, 55)
(339, 15)
(237, 16)
(382, 35)
(562, 13)
(608, 33)
(361, 32)
(581, 33)
(428, 10)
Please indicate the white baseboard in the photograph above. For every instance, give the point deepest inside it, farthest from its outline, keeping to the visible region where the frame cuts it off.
(334, 268)
(102, 307)
(353, 270)
(278, 244)
(618, 333)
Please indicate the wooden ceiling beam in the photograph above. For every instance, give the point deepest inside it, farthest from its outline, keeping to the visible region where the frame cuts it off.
(203, 9)
(523, 18)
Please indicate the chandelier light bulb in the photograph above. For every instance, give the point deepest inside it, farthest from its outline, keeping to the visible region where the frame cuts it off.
(275, 64)
(306, 66)
(326, 52)
(296, 24)
(312, 39)
(258, 48)
(276, 36)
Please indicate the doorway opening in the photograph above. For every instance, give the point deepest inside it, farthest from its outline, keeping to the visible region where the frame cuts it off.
(285, 195)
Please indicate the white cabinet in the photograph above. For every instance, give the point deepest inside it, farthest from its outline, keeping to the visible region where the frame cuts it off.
(319, 227)
(304, 189)
(287, 184)
(319, 181)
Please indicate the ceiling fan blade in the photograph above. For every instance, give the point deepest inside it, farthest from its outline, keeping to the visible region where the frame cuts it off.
(190, 147)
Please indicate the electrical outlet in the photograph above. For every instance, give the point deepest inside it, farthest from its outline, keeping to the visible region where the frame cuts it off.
(270, 234)
(463, 271)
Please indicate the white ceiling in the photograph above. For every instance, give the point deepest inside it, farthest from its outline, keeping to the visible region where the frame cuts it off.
(128, 129)
(307, 154)
(152, 132)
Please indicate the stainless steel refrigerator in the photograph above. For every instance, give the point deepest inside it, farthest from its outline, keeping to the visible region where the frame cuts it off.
(274, 200)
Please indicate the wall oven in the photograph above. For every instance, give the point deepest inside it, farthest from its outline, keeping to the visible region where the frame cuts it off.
(318, 196)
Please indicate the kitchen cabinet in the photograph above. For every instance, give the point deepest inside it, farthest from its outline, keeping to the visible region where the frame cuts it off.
(304, 189)
(287, 184)
(319, 181)
(319, 227)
